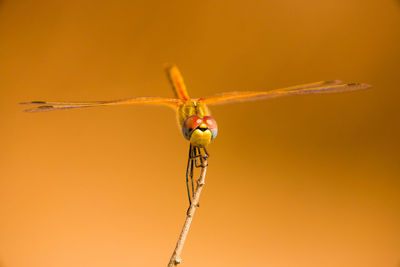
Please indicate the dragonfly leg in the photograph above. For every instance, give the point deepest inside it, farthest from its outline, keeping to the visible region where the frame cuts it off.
(206, 155)
(198, 156)
(189, 170)
(189, 174)
(191, 177)
(201, 157)
(204, 158)
(196, 159)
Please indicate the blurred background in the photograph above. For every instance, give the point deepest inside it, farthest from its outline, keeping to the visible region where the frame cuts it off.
(302, 181)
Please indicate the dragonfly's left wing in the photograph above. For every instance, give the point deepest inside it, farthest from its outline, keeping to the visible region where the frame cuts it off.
(48, 106)
(312, 88)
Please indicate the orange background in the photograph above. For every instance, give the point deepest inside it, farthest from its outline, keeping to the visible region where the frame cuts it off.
(302, 181)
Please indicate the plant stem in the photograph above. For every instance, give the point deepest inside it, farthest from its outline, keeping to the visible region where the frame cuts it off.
(176, 255)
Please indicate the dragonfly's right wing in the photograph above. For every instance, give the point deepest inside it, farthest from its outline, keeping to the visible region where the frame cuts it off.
(49, 106)
(323, 87)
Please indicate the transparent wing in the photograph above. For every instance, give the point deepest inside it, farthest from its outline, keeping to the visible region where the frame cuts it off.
(323, 87)
(177, 82)
(49, 106)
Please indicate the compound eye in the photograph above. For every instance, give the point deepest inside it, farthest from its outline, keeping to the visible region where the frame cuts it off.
(210, 122)
(211, 125)
(189, 125)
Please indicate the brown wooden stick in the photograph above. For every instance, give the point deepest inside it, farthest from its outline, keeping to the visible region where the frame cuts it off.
(176, 256)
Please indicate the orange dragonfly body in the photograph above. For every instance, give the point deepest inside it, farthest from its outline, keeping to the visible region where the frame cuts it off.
(194, 118)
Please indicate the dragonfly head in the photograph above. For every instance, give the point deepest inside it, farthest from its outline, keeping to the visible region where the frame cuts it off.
(200, 130)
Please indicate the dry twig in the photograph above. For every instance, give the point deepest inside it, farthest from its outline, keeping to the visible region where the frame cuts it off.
(176, 256)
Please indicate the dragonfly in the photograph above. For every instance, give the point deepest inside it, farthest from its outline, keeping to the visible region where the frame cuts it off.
(194, 117)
